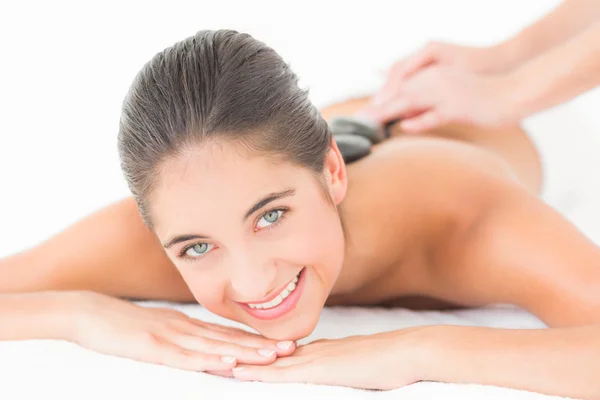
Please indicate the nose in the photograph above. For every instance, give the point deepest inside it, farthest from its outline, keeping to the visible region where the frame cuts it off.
(252, 278)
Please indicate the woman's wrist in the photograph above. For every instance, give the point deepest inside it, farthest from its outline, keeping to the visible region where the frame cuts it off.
(423, 349)
(68, 310)
(446, 353)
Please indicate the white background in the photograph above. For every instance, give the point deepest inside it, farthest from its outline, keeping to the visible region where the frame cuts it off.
(66, 66)
(64, 70)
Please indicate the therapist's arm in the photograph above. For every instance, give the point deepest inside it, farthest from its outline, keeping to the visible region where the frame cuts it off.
(569, 19)
(559, 74)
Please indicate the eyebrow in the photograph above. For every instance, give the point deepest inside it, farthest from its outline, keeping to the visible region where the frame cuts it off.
(257, 206)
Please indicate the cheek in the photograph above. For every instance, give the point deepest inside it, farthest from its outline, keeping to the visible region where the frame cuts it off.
(208, 287)
(319, 242)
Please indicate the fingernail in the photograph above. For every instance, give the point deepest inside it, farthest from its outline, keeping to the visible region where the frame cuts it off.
(266, 352)
(236, 369)
(285, 345)
(228, 359)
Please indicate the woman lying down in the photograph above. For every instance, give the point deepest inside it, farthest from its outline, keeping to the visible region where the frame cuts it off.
(243, 203)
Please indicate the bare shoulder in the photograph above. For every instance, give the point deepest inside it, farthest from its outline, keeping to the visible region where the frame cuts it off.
(428, 170)
(511, 143)
(467, 231)
(411, 196)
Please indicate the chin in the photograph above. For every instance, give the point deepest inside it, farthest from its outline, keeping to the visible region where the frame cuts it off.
(299, 316)
(302, 320)
(296, 330)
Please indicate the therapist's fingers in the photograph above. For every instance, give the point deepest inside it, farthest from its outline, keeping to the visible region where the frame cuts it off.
(425, 57)
(402, 70)
(400, 108)
(407, 104)
(423, 122)
(388, 89)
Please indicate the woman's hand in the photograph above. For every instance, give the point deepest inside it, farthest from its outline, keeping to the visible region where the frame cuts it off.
(164, 336)
(439, 94)
(383, 361)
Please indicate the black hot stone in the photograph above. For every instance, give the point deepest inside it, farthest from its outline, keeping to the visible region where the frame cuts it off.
(359, 127)
(353, 147)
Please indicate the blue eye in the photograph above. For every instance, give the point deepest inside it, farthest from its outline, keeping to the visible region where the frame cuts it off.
(270, 218)
(199, 248)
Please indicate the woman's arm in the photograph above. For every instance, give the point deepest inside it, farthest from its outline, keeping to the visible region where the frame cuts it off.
(558, 361)
(520, 251)
(110, 252)
(46, 315)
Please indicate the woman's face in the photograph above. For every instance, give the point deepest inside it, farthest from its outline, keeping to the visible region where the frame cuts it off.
(256, 241)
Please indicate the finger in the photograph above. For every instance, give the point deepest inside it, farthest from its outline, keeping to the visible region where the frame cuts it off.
(224, 373)
(420, 60)
(282, 348)
(308, 372)
(424, 122)
(386, 93)
(243, 354)
(388, 90)
(400, 72)
(170, 312)
(175, 356)
(400, 108)
(241, 337)
(222, 328)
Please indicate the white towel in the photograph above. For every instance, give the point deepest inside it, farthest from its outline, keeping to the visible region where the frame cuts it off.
(54, 369)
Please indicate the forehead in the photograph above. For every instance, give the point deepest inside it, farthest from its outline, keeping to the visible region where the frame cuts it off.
(207, 179)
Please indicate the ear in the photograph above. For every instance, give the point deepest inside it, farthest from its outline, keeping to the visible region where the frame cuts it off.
(335, 173)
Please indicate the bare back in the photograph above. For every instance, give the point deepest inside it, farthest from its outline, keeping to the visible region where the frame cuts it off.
(395, 266)
(510, 143)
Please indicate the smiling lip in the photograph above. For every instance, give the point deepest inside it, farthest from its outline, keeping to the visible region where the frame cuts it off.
(272, 296)
(282, 308)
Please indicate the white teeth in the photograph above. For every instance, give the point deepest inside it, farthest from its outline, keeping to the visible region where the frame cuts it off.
(280, 297)
(277, 300)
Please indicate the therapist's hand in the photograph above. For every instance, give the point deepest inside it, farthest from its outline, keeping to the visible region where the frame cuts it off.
(439, 94)
(492, 59)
